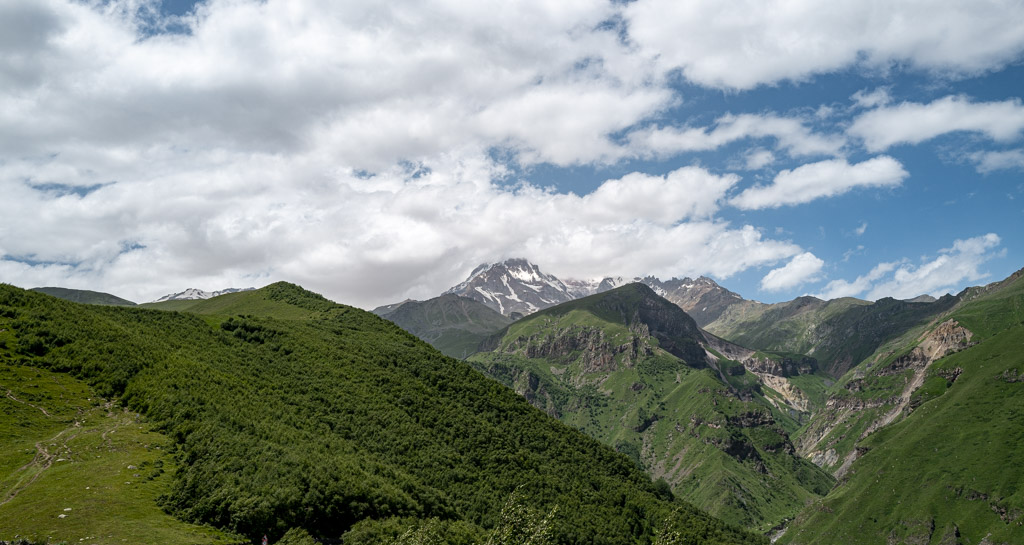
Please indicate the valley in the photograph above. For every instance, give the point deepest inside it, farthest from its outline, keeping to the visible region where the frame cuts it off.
(808, 421)
(832, 380)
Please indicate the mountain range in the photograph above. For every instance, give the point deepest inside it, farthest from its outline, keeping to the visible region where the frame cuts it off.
(516, 287)
(809, 421)
(633, 370)
(834, 378)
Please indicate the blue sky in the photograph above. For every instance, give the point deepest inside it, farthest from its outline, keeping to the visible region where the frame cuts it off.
(379, 151)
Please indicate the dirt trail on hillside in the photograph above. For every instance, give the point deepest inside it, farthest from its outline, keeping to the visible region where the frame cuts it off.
(10, 394)
(42, 461)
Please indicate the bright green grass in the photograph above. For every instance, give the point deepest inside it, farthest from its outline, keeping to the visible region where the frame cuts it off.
(995, 312)
(92, 444)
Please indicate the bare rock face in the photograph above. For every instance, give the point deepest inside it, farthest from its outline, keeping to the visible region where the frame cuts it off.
(589, 344)
(785, 367)
(703, 298)
(826, 458)
(944, 339)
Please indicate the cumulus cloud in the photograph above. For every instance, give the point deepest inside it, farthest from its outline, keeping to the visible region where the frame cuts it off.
(991, 161)
(912, 122)
(801, 269)
(791, 135)
(936, 276)
(369, 84)
(872, 99)
(843, 288)
(685, 193)
(369, 150)
(366, 239)
(822, 179)
(741, 45)
(758, 159)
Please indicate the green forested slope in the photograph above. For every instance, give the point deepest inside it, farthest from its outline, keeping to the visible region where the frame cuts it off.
(630, 369)
(335, 421)
(947, 470)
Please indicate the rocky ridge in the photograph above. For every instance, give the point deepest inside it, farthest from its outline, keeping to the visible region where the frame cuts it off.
(946, 338)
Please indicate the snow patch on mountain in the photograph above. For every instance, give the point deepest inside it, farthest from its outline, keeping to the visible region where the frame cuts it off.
(193, 294)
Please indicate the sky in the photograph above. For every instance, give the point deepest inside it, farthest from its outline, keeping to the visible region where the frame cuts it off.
(378, 151)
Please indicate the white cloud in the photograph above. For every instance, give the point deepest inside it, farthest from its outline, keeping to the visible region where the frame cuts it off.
(912, 123)
(744, 44)
(937, 276)
(368, 84)
(872, 99)
(942, 274)
(685, 193)
(822, 179)
(801, 269)
(842, 288)
(791, 135)
(862, 229)
(991, 161)
(365, 240)
(758, 159)
(364, 150)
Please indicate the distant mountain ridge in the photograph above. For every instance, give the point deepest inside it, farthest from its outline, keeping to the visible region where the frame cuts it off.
(192, 294)
(839, 333)
(518, 286)
(85, 296)
(453, 324)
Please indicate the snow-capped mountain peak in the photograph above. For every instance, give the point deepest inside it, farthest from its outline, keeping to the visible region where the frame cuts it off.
(192, 294)
(519, 286)
(514, 285)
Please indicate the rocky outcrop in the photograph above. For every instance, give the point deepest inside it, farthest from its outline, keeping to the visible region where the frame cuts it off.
(781, 367)
(703, 298)
(1012, 375)
(944, 339)
(589, 344)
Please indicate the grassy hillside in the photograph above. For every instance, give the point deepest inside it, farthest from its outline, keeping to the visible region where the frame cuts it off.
(85, 296)
(947, 469)
(454, 325)
(627, 367)
(331, 420)
(73, 466)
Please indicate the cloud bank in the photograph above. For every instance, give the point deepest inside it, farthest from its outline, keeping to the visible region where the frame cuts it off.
(373, 151)
(935, 276)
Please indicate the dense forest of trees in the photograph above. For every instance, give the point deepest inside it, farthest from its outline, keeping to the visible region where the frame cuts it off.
(342, 425)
